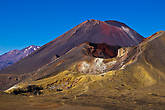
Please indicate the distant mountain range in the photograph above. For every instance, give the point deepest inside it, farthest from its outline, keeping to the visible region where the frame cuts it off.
(14, 56)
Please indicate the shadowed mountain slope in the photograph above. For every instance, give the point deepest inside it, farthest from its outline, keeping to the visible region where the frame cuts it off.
(110, 33)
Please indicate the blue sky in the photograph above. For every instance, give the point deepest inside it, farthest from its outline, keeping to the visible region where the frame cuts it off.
(36, 22)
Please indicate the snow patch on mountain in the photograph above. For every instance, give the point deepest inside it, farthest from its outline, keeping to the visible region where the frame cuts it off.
(127, 30)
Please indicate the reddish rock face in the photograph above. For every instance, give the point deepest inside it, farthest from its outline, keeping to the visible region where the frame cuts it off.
(103, 50)
(112, 33)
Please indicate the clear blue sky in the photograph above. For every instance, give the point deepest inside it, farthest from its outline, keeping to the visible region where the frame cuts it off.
(36, 22)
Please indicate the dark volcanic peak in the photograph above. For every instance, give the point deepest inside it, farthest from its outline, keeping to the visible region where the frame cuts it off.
(109, 32)
(14, 56)
(94, 31)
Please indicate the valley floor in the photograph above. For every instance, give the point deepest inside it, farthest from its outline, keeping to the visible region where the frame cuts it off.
(143, 99)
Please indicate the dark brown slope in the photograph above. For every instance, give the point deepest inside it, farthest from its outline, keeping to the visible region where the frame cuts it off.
(93, 31)
(84, 52)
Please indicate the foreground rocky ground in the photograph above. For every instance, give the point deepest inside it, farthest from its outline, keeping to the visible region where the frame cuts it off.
(142, 99)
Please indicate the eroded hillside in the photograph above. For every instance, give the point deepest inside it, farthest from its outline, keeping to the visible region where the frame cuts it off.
(87, 68)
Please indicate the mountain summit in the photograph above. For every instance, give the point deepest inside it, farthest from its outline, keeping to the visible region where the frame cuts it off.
(111, 33)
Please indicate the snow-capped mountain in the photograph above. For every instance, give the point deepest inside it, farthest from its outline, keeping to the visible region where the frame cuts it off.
(14, 56)
(30, 49)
